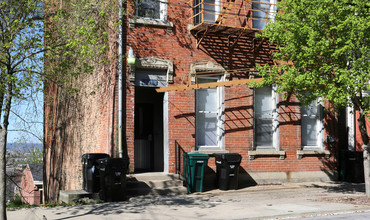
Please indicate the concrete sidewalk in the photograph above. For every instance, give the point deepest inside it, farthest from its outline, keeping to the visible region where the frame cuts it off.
(290, 200)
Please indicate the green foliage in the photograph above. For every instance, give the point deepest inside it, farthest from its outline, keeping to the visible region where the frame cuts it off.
(71, 34)
(76, 36)
(17, 203)
(36, 156)
(17, 200)
(79, 202)
(323, 50)
(21, 45)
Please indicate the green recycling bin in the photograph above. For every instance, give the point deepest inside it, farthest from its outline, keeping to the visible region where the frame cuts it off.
(194, 166)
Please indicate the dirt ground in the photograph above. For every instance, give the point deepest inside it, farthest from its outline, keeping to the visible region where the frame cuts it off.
(355, 200)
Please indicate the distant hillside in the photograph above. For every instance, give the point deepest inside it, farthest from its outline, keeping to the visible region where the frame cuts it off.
(23, 153)
(19, 146)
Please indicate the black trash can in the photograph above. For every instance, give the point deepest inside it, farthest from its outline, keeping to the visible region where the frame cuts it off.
(112, 179)
(90, 171)
(227, 169)
(355, 167)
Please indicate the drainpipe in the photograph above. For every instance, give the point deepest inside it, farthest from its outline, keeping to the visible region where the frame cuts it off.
(120, 81)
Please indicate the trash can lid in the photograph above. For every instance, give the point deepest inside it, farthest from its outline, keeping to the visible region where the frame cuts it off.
(114, 162)
(94, 156)
(197, 155)
(229, 157)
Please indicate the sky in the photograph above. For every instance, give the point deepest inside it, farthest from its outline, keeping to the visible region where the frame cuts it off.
(26, 117)
(25, 121)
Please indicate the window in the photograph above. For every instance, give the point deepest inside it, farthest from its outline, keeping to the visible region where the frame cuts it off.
(312, 126)
(151, 9)
(209, 122)
(263, 11)
(209, 8)
(266, 118)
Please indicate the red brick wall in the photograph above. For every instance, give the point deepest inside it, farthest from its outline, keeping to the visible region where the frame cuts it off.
(358, 138)
(30, 193)
(86, 122)
(179, 46)
(80, 122)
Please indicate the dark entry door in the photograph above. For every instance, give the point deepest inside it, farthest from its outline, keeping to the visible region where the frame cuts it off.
(148, 130)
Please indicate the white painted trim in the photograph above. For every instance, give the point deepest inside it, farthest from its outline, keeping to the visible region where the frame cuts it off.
(275, 120)
(319, 128)
(218, 5)
(220, 120)
(272, 11)
(163, 10)
(351, 128)
(165, 134)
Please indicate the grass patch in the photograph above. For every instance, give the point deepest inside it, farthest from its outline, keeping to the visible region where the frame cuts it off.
(17, 203)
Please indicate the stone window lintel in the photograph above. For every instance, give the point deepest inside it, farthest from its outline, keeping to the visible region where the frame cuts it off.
(154, 63)
(207, 66)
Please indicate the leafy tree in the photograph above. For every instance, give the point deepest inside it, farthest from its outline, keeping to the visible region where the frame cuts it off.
(21, 47)
(75, 37)
(323, 50)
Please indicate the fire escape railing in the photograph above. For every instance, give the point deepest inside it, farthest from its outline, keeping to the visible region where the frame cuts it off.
(233, 13)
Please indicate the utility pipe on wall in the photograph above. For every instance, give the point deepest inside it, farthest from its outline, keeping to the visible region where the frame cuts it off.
(120, 79)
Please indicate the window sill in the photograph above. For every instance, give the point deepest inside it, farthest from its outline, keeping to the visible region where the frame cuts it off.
(210, 152)
(256, 153)
(302, 153)
(150, 22)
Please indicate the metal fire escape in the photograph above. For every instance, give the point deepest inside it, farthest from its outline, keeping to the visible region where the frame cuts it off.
(227, 23)
(232, 17)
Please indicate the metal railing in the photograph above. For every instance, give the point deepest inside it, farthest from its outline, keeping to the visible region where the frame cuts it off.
(179, 159)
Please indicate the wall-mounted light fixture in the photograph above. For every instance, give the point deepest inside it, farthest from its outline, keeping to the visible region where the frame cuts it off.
(131, 57)
(131, 60)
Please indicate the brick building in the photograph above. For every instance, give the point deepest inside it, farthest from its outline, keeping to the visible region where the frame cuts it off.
(26, 181)
(31, 184)
(179, 47)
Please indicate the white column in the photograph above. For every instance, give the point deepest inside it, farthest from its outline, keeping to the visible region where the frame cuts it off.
(351, 128)
(165, 134)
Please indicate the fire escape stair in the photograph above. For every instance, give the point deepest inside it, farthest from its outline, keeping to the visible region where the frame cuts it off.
(226, 8)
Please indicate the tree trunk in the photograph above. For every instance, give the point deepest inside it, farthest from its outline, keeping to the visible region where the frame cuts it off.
(365, 139)
(366, 149)
(3, 137)
(363, 130)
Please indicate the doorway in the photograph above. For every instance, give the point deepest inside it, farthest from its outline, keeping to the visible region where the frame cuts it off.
(148, 130)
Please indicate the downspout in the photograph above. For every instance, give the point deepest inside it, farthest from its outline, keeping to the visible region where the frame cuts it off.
(120, 81)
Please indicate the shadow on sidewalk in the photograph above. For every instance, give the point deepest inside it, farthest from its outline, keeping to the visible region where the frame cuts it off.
(341, 187)
(136, 205)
